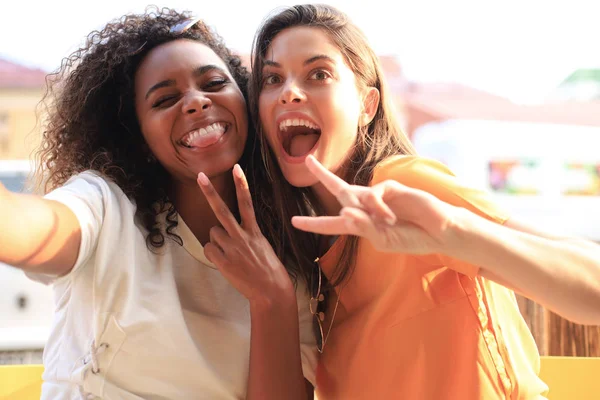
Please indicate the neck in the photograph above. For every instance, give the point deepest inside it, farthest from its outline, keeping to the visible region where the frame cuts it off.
(330, 204)
(193, 208)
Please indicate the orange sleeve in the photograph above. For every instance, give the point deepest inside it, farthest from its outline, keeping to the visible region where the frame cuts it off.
(435, 178)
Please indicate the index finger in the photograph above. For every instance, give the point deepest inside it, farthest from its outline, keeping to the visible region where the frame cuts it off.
(218, 206)
(336, 185)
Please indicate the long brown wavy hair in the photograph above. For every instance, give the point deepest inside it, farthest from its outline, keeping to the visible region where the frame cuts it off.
(379, 140)
(91, 123)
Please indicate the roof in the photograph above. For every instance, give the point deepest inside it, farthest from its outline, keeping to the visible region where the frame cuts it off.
(452, 101)
(13, 75)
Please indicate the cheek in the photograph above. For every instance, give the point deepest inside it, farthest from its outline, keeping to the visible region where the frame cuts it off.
(156, 130)
(347, 121)
(147, 132)
(152, 128)
(341, 117)
(349, 102)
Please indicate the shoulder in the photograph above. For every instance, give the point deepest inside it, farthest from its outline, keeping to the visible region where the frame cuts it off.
(433, 177)
(411, 170)
(87, 184)
(92, 196)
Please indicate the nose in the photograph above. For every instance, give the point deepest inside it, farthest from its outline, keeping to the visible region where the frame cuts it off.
(291, 93)
(195, 101)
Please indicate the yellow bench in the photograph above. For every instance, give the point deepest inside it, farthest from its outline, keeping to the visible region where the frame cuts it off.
(20, 382)
(569, 378)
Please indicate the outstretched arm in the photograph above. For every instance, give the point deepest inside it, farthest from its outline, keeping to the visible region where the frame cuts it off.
(37, 235)
(562, 274)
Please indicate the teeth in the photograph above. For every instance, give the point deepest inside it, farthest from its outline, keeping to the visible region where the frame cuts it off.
(217, 126)
(296, 122)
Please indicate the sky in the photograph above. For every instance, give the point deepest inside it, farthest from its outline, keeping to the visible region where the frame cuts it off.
(521, 49)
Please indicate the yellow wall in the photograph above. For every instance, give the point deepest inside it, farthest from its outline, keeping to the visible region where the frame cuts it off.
(23, 135)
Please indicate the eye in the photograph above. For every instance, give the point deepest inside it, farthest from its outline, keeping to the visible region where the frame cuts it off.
(271, 79)
(319, 75)
(216, 84)
(166, 101)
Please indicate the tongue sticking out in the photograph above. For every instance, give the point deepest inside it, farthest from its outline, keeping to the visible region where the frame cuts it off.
(207, 139)
(300, 145)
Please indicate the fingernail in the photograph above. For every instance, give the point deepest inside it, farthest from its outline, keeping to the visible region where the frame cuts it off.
(237, 170)
(390, 220)
(203, 179)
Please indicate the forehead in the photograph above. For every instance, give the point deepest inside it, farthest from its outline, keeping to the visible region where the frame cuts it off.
(176, 57)
(301, 42)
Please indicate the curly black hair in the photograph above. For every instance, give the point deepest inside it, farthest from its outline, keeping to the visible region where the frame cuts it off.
(91, 121)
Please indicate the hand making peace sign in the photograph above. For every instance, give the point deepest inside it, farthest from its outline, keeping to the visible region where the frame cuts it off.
(394, 217)
(240, 251)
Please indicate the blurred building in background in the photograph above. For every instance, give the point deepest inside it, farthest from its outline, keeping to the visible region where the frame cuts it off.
(21, 89)
(539, 161)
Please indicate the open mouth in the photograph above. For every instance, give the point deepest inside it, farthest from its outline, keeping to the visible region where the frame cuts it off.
(298, 136)
(206, 136)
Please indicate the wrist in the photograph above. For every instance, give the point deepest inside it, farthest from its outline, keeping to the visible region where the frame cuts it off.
(272, 313)
(472, 238)
(278, 301)
(458, 233)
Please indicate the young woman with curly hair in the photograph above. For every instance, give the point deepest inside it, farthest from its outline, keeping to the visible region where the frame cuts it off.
(164, 285)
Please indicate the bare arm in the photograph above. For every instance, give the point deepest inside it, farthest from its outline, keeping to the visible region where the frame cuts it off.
(37, 235)
(563, 274)
(275, 364)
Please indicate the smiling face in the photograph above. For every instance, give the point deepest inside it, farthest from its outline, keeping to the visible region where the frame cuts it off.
(309, 103)
(191, 112)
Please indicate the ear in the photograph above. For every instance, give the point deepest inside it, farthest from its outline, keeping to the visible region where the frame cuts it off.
(370, 106)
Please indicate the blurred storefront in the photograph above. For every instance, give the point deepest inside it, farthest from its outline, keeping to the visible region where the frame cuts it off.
(21, 89)
(538, 184)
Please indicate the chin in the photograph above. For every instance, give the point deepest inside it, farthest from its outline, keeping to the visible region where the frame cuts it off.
(300, 179)
(215, 167)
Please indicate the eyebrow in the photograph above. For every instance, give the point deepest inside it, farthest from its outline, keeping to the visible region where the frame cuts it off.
(206, 68)
(305, 63)
(161, 84)
(197, 72)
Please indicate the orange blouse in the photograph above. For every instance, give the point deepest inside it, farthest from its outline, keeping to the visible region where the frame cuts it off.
(425, 327)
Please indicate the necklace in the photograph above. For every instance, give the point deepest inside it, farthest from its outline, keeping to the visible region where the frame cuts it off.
(314, 301)
(337, 302)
